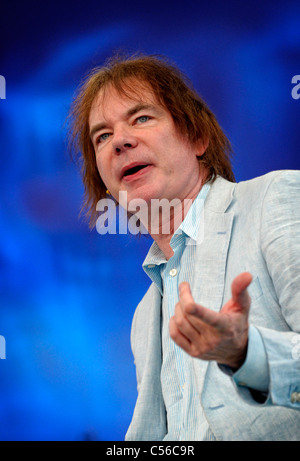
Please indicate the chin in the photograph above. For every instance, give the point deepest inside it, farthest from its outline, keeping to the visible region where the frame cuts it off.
(141, 193)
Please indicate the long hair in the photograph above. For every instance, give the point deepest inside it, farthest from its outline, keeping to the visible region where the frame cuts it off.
(191, 116)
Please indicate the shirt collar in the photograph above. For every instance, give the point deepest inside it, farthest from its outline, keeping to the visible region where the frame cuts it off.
(190, 224)
(189, 227)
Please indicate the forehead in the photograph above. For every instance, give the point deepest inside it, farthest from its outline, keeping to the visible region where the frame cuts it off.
(111, 99)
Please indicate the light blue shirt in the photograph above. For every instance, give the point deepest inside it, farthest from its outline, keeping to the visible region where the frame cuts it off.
(185, 417)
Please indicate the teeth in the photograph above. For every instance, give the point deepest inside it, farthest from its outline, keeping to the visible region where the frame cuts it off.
(133, 170)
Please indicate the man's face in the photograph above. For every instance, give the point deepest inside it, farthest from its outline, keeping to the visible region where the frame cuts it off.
(138, 149)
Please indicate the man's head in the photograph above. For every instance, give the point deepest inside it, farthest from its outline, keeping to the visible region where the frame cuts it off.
(192, 119)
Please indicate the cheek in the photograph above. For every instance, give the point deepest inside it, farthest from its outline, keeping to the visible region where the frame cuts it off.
(105, 171)
(99, 169)
(101, 166)
(98, 163)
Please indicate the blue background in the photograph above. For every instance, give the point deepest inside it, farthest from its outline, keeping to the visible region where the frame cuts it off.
(68, 294)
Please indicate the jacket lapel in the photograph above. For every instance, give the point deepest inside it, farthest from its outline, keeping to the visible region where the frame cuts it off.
(212, 248)
(211, 256)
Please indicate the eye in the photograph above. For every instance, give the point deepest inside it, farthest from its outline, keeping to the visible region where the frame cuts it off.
(143, 119)
(102, 138)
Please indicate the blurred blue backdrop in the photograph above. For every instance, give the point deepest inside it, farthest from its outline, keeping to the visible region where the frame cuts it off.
(68, 294)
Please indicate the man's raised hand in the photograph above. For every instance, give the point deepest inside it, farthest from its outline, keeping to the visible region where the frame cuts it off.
(208, 335)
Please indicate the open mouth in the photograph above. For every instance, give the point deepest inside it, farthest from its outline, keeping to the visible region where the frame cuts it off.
(134, 170)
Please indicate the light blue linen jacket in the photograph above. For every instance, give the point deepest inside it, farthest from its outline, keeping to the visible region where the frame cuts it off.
(251, 226)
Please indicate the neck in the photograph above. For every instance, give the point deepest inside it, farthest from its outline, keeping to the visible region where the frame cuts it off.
(169, 218)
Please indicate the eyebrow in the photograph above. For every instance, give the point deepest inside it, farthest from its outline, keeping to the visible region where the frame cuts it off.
(129, 113)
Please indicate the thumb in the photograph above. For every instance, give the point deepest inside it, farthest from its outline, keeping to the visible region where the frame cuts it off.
(239, 291)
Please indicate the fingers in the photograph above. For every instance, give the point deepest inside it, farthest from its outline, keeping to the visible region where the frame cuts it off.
(186, 298)
(192, 309)
(180, 339)
(180, 328)
(239, 291)
(189, 318)
(182, 323)
(190, 327)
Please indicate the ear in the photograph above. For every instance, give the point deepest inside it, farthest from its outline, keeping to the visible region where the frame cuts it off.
(201, 146)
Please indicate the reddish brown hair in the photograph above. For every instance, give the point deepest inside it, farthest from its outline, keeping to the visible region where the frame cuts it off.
(172, 89)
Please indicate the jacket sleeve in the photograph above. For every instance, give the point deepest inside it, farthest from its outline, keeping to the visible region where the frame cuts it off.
(280, 244)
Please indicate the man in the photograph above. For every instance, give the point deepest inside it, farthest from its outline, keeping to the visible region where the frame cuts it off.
(215, 338)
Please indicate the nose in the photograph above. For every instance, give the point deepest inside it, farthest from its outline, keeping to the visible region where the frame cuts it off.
(122, 146)
(123, 140)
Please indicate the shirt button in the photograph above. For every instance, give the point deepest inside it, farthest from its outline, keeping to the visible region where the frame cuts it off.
(295, 397)
(150, 266)
(173, 272)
